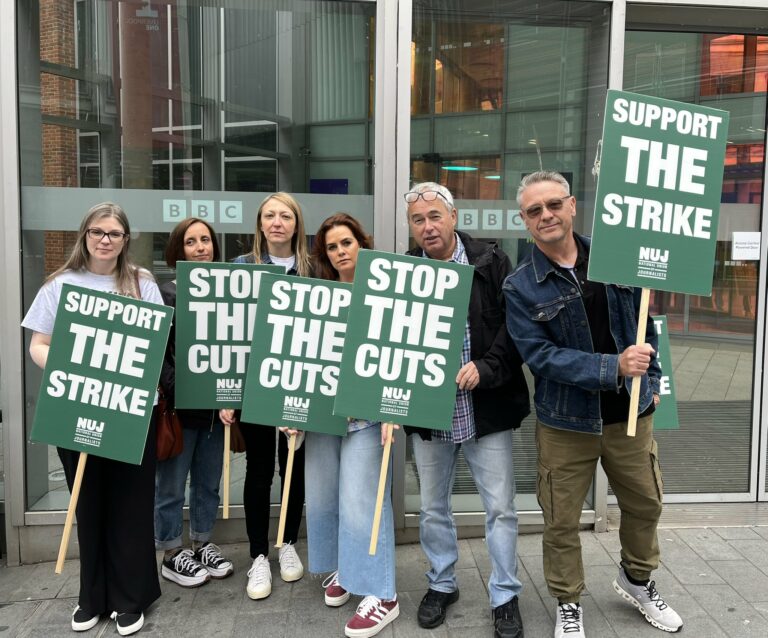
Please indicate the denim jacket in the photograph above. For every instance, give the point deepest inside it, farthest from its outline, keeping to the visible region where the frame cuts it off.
(548, 323)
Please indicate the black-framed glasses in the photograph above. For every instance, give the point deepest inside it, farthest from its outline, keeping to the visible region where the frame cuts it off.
(553, 205)
(113, 235)
(427, 196)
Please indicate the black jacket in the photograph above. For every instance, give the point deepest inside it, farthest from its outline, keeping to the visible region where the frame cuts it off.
(188, 418)
(500, 400)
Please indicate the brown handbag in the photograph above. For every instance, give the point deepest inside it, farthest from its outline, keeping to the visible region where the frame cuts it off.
(170, 439)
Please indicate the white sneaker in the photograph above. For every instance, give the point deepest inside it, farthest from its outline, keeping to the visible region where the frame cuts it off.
(291, 568)
(570, 621)
(259, 578)
(649, 602)
(82, 620)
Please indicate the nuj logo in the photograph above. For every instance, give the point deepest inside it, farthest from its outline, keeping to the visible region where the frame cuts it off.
(229, 384)
(395, 393)
(296, 402)
(90, 424)
(654, 254)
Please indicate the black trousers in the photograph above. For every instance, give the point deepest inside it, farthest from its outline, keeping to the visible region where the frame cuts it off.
(259, 470)
(115, 530)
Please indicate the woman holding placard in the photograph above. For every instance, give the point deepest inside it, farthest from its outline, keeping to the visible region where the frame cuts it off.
(118, 573)
(279, 239)
(202, 455)
(343, 477)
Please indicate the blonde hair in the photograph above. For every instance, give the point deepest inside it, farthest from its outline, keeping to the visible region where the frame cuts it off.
(125, 270)
(298, 241)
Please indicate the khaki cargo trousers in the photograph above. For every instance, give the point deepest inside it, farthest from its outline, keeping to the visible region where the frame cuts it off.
(566, 465)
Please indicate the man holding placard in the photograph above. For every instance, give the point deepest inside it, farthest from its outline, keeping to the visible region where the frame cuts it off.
(577, 338)
(491, 400)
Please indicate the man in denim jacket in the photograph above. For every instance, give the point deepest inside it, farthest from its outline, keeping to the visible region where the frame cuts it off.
(577, 337)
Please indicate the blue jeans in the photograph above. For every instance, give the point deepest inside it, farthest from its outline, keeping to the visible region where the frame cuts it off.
(342, 477)
(490, 461)
(201, 458)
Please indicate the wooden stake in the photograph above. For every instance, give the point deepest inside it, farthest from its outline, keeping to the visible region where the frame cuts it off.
(225, 472)
(380, 493)
(71, 511)
(634, 398)
(286, 489)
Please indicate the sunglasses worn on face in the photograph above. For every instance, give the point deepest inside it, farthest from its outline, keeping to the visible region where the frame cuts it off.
(427, 196)
(552, 205)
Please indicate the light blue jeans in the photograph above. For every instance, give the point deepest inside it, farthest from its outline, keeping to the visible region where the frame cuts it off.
(201, 458)
(490, 461)
(342, 477)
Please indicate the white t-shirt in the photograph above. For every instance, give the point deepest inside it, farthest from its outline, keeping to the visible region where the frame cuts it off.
(42, 313)
(285, 262)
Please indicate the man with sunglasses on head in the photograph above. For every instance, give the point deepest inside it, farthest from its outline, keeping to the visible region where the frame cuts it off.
(491, 400)
(577, 338)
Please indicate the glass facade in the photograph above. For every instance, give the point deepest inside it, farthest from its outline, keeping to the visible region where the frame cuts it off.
(184, 108)
(175, 108)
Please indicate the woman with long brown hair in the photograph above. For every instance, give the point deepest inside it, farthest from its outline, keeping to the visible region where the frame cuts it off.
(118, 573)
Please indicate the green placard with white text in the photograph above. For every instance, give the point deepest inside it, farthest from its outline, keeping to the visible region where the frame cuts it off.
(215, 311)
(665, 416)
(404, 338)
(293, 370)
(101, 374)
(658, 195)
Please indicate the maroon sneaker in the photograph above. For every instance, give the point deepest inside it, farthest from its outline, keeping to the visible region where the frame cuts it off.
(373, 614)
(335, 594)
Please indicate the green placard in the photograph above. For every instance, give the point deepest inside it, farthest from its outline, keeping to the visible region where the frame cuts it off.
(215, 311)
(658, 195)
(101, 374)
(404, 338)
(293, 370)
(665, 415)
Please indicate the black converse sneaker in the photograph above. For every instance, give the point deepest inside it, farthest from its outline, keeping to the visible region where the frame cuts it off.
(209, 556)
(183, 569)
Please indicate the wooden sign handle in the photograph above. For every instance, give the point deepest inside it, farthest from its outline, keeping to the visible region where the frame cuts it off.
(71, 511)
(634, 399)
(286, 490)
(380, 492)
(225, 472)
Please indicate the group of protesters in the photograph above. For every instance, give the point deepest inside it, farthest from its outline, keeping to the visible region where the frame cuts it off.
(576, 336)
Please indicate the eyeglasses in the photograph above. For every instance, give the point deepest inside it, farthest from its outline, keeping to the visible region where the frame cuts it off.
(553, 205)
(113, 235)
(427, 196)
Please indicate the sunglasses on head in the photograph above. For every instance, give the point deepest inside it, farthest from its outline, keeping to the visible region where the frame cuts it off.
(552, 205)
(427, 196)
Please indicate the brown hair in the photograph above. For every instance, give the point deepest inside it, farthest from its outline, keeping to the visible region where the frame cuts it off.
(323, 267)
(125, 270)
(174, 251)
(298, 241)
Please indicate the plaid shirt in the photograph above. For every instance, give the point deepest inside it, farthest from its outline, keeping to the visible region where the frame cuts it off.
(463, 425)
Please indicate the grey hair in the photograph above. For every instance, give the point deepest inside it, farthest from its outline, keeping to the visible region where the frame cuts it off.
(542, 176)
(447, 198)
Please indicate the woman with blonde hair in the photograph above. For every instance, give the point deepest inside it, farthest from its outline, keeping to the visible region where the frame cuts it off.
(118, 573)
(279, 239)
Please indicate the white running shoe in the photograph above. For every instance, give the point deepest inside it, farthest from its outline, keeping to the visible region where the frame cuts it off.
(259, 578)
(649, 602)
(570, 621)
(291, 568)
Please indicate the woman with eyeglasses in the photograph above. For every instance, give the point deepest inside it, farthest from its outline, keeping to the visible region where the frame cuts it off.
(343, 478)
(202, 455)
(279, 239)
(118, 573)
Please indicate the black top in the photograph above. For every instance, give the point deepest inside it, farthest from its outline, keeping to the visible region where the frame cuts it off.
(614, 406)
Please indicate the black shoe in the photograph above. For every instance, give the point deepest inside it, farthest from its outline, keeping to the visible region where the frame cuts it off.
(506, 620)
(433, 606)
(128, 624)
